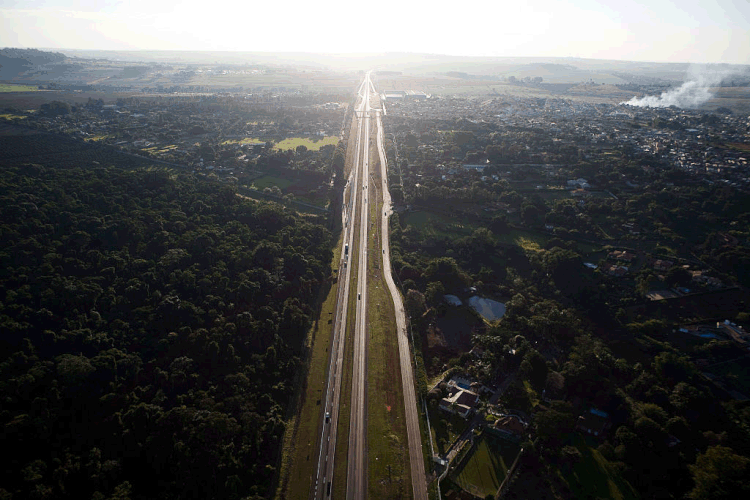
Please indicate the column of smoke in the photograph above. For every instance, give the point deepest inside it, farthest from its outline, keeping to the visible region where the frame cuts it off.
(690, 94)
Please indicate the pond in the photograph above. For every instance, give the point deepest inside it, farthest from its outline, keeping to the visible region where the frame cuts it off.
(488, 308)
(452, 300)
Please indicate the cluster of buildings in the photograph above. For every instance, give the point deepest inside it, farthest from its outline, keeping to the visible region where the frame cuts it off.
(561, 131)
(195, 130)
(401, 95)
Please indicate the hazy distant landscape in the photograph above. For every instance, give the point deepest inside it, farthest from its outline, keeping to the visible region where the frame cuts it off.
(108, 74)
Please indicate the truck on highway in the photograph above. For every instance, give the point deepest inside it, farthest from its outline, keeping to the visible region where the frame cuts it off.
(346, 249)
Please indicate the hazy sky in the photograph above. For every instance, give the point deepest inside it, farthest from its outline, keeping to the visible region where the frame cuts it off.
(655, 30)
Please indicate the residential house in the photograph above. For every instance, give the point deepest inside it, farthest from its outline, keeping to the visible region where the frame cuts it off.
(622, 255)
(461, 402)
(508, 427)
(663, 265)
(701, 277)
(736, 332)
(614, 270)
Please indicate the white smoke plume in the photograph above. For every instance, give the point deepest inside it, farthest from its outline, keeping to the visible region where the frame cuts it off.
(692, 93)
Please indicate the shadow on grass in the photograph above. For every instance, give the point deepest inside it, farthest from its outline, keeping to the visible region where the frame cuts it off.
(593, 476)
(486, 469)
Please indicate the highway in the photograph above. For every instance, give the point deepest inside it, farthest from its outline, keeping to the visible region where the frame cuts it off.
(332, 392)
(356, 485)
(356, 222)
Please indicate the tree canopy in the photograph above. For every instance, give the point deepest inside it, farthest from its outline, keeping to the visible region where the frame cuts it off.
(152, 332)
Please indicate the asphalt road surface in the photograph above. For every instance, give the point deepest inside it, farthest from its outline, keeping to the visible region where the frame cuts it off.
(356, 197)
(323, 484)
(356, 484)
(416, 458)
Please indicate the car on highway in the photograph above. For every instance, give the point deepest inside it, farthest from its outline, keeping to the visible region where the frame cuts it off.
(328, 416)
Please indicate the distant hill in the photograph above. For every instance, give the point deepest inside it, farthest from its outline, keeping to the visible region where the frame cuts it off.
(552, 70)
(14, 61)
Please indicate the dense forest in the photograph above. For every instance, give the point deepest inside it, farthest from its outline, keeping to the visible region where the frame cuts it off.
(152, 332)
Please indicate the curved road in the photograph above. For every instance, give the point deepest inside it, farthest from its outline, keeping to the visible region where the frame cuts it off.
(416, 458)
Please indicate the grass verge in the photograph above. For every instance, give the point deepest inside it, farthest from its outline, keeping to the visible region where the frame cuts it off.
(342, 439)
(388, 452)
(299, 465)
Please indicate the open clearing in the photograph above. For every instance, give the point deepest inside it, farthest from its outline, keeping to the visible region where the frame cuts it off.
(594, 477)
(11, 116)
(435, 224)
(246, 140)
(293, 142)
(17, 88)
(484, 471)
(271, 180)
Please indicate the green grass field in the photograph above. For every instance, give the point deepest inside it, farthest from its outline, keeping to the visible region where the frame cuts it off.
(594, 477)
(527, 240)
(270, 180)
(433, 224)
(4, 87)
(484, 471)
(293, 142)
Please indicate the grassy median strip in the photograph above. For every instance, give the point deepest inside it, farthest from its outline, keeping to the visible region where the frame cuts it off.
(345, 407)
(388, 447)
